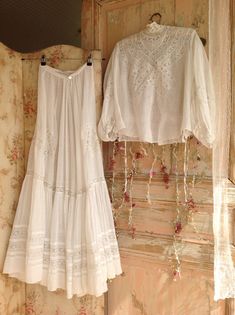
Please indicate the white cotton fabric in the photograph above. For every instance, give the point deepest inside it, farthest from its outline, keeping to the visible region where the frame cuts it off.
(158, 89)
(63, 234)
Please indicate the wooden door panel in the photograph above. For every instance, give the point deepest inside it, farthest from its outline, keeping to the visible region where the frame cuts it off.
(147, 289)
(147, 252)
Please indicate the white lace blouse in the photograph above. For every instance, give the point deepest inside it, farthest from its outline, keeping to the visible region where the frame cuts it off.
(158, 89)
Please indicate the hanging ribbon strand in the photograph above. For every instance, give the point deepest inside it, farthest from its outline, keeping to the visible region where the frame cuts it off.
(112, 168)
(125, 196)
(151, 173)
(191, 203)
(178, 215)
(186, 156)
(163, 169)
(177, 223)
(131, 176)
(118, 148)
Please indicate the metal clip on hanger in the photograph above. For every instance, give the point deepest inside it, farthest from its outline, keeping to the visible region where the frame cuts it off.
(203, 40)
(89, 60)
(43, 60)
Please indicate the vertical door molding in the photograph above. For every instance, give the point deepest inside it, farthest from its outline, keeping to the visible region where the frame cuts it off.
(232, 141)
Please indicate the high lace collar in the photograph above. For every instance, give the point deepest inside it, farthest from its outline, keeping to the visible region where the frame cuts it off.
(153, 28)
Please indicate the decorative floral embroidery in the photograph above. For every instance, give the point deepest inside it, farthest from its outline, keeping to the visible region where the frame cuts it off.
(90, 139)
(154, 49)
(49, 146)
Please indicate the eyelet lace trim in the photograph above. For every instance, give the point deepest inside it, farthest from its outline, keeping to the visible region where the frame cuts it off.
(57, 258)
(108, 130)
(48, 144)
(64, 189)
(90, 138)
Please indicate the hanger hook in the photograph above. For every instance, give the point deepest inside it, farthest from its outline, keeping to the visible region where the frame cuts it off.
(43, 60)
(89, 60)
(158, 15)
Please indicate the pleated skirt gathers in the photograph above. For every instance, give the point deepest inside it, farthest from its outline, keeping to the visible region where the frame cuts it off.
(63, 234)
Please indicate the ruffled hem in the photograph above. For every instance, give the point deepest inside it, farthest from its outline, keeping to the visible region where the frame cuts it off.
(64, 240)
(201, 135)
(58, 272)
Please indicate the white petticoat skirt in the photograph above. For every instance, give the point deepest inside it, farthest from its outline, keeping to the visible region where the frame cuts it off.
(63, 234)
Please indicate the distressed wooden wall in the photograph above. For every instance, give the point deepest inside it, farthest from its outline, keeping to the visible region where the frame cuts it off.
(147, 252)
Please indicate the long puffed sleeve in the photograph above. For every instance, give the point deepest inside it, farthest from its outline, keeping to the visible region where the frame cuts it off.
(111, 120)
(203, 97)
